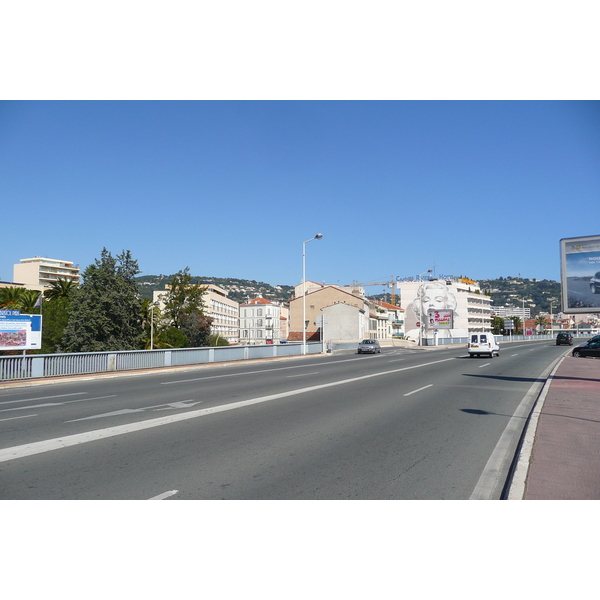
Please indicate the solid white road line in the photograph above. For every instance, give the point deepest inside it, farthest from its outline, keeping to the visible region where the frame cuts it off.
(30, 449)
(490, 480)
(164, 495)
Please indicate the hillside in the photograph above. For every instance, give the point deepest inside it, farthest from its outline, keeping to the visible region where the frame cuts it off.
(504, 291)
(538, 294)
(240, 290)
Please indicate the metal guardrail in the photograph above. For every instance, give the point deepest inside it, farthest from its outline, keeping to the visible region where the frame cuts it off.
(33, 366)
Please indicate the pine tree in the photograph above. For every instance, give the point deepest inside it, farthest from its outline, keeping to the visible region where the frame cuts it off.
(106, 309)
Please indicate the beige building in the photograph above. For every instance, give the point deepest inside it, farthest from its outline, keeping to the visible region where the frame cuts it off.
(223, 310)
(38, 273)
(224, 313)
(319, 297)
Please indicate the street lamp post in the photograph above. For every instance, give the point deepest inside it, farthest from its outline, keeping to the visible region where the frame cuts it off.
(152, 324)
(317, 237)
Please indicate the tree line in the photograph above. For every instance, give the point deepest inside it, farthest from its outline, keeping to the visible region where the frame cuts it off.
(105, 311)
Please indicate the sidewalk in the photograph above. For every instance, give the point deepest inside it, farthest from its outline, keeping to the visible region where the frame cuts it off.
(560, 458)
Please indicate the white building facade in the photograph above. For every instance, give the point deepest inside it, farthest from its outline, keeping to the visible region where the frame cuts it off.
(262, 322)
(469, 307)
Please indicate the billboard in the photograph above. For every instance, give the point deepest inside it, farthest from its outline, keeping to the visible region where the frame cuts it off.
(440, 319)
(20, 332)
(580, 274)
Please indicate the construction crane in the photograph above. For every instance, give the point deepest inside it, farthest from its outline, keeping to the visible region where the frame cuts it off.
(389, 283)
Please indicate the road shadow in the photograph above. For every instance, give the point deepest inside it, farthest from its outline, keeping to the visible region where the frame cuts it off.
(528, 379)
(480, 412)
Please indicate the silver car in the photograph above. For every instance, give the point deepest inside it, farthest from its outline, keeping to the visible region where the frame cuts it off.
(370, 346)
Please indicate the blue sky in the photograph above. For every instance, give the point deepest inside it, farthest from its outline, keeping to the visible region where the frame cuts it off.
(232, 188)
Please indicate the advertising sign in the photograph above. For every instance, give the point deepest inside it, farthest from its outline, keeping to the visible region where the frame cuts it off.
(580, 274)
(440, 319)
(20, 332)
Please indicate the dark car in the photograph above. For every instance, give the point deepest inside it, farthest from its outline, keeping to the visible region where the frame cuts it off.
(590, 349)
(564, 338)
(595, 283)
(369, 346)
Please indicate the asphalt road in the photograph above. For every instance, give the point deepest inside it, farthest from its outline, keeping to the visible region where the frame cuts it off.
(404, 424)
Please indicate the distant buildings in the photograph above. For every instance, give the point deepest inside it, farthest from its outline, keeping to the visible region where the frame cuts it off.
(511, 311)
(39, 272)
(223, 310)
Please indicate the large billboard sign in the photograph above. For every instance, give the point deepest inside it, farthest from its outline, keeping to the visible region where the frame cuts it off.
(440, 319)
(580, 274)
(20, 332)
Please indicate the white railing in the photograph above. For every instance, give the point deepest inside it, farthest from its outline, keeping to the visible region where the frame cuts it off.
(33, 366)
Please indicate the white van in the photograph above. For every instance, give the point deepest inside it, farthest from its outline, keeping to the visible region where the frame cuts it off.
(483, 343)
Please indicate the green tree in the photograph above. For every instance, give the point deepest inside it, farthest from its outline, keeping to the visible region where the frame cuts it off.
(10, 297)
(497, 325)
(171, 337)
(55, 316)
(61, 288)
(183, 297)
(541, 323)
(217, 340)
(106, 309)
(27, 301)
(518, 323)
(196, 327)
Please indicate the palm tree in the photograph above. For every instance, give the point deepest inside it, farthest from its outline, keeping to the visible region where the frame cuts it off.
(61, 288)
(541, 323)
(10, 296)
(27, 300)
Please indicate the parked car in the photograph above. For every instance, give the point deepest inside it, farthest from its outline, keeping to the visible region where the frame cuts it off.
(595, 283)
(590, 349)
(564, 338)
(483, 343)
(370, 346)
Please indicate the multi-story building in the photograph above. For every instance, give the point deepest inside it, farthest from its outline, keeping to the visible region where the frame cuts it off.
(39, 272)
(391, 320)
(511, 311)
(261, 322)
(462, 298)
(223, 310)
(224, 313)
(319, 297)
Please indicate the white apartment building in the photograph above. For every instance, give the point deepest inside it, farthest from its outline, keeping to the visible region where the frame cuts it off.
(223, 310)
(39, 272)
(262, 322)
(470, 308)
(224, 313)
(511, 311)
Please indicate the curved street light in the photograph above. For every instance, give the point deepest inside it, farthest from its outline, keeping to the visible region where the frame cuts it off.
(317, 237)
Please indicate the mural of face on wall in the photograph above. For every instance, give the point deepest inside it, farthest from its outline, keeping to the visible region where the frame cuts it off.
(435, 295)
